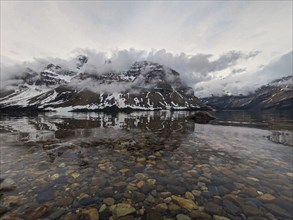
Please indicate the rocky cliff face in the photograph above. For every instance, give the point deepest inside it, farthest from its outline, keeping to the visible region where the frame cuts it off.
(275, 95)
(145, 86)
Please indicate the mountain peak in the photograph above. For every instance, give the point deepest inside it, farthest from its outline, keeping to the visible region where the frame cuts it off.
(274, 95)
(108, 61)
(52, 67)
(145, 86)
(80, 61)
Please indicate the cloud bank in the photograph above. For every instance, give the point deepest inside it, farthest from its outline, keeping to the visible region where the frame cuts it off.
(219, 40)
(206, 73)
(193, 68)
(242, 82)
(53, 28)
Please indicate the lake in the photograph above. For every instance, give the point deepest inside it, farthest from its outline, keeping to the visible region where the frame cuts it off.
(147, 165)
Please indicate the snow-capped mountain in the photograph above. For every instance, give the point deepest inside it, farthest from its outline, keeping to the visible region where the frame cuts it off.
(277, 94)
(144, 86)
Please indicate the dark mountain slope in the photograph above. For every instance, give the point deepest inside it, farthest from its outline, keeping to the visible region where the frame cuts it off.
(145, 86)
(275, 95)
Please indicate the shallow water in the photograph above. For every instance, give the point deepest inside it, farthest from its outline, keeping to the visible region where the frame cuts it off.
(239, 166)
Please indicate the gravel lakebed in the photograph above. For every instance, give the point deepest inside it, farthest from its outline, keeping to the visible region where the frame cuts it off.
(141, 167)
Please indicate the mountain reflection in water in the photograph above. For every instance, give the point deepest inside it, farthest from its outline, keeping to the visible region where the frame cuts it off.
(148, 159)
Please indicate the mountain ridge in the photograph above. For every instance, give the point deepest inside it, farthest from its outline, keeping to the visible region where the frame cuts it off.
(277, 94)
(144, 86)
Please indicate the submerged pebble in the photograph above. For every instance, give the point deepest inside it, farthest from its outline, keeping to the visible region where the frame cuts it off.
(164, 174)
(7, 184)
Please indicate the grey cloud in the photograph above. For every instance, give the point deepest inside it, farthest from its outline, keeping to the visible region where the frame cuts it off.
(277, 68)
(238, 70)
(252, 54)
(230, 59)
(226, 60)
(62, 25)
(193, 68)
(198, 67)
(247, 82)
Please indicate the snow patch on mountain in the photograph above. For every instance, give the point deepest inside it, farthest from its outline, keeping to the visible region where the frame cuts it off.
(145, 86)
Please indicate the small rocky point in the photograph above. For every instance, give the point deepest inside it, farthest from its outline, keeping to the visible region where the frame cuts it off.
(201, 117)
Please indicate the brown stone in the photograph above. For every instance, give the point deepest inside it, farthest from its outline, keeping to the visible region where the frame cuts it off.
(128, 217)
(66, 201)
(71, 216)
(174, 208)
(185, 203)
(197, 214)
(90, 214)
(277, 210)
(120, 184)
(217, 217)
(11, 200)
(122, 209)
(162, 207)
(249, 191)
(266, 197)
(153, 215)
(36, 213)
(256, 218)
(250, 210)
(213, 208)
(140, 184)
(189, 195)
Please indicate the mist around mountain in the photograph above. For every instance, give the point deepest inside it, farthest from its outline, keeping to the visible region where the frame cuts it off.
(144, 86)
(136, 80)
(276, 95)
(243, 82)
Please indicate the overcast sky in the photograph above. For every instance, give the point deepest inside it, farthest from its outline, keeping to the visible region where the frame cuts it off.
(215, 39)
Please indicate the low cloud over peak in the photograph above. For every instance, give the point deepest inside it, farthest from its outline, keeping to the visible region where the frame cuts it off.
(201, 71)
(240, 81)
(197, 66)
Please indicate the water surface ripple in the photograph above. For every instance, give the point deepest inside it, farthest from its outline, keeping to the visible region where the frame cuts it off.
(80, 166)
